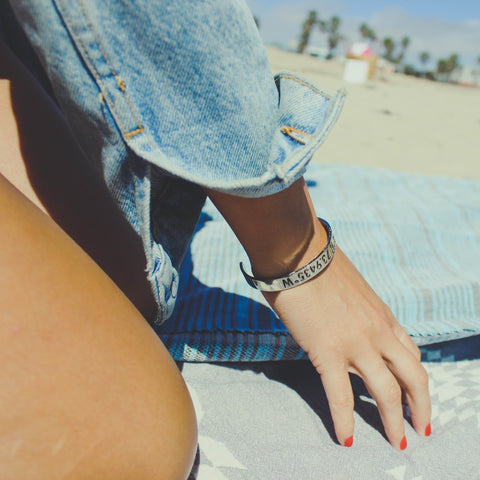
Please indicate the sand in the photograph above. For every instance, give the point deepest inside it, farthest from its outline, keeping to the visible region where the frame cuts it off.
(395, 121)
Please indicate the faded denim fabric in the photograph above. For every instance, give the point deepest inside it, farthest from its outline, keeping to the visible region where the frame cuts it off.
(166, 97)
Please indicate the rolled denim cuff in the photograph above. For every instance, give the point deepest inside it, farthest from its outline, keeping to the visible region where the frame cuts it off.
(304, 115)
(188, 85)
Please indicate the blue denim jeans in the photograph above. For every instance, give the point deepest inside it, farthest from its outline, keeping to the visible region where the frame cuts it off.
(167, 97)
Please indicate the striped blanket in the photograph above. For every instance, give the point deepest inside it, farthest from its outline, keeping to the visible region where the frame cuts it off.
(415, 238)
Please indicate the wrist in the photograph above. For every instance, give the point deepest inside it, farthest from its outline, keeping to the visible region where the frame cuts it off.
(279, 233)
(286, 257)
(301, 275)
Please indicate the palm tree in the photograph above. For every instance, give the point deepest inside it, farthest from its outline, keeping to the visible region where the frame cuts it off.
(331, 28)
(389, 46)
(367, 33)
(307, 26)
(442, 66)
(446, 67)
(424, 58)
(405, 42)
(452, 63)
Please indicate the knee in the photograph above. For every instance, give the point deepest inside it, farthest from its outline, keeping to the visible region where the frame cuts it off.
(146, 437)
(130, 418)
(172, 441)
(162, 434)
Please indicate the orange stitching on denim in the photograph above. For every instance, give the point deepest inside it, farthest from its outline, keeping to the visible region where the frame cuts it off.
(89, 61)
(288, 130)
(134, 132)
(127, 98)
(122, 86)
(120, 81)
(291, 77)
(96, 39)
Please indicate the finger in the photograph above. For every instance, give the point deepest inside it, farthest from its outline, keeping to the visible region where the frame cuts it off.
(401, 334)
(406, 341)
(413, 378)
(386, 391)
(338, 389)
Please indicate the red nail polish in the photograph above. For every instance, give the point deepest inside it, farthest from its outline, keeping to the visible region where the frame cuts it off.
(348, 442)
(428, 430)
(403, 443)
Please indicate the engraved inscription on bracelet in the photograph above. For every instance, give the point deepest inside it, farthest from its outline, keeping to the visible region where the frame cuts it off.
(302, 275)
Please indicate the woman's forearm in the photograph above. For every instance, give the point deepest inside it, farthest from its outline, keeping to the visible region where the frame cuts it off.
(280, 232)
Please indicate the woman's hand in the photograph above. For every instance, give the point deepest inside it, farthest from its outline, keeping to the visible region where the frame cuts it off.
(344, 327)
(335, 317)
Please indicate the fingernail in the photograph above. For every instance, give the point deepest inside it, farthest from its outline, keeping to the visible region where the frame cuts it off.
(348, 442)
(428, 430)
(403, 443)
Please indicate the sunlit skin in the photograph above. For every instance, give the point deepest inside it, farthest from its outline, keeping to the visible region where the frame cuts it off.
(87, 389)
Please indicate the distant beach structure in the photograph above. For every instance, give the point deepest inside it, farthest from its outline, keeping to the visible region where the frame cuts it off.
(466, 76)
(315, 51)
(361, 63)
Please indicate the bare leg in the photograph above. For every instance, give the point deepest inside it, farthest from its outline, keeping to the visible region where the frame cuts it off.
(87, 390)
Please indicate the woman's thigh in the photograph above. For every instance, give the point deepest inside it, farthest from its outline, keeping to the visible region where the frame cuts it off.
(87, 389)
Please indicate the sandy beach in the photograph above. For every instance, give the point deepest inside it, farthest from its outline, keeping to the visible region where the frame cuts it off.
(395, 121)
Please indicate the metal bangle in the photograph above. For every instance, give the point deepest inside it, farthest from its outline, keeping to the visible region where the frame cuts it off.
(302, 275)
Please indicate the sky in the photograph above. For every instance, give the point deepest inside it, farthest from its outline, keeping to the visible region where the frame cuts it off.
(441, 27)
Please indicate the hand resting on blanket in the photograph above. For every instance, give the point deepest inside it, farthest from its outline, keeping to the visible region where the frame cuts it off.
(336, 317)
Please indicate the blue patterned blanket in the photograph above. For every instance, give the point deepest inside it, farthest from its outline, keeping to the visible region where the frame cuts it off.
(415, 238)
